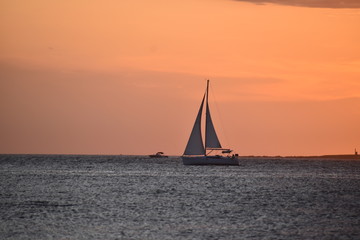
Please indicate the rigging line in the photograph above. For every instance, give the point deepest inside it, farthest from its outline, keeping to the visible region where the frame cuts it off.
(206, 109)
(220, 118)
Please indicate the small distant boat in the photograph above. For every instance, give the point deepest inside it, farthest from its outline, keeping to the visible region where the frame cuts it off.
(158, 155)
(198, 154)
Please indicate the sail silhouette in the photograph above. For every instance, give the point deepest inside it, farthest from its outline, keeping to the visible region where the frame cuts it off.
(195, 144)
(211, 139)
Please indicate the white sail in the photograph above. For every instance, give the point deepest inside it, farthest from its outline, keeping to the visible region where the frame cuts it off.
(195, 144)
(211, 139)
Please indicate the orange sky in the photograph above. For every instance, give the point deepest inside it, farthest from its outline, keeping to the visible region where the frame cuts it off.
(110, 77)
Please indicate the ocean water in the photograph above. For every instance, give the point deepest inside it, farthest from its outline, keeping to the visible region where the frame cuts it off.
(135, 197)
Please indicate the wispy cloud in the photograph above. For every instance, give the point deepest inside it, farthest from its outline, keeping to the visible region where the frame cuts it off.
(311, 3)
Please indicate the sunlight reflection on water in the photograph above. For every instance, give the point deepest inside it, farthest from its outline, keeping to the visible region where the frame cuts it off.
(133, 197)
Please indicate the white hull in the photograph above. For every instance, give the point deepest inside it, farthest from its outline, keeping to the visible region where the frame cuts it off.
(210, 160)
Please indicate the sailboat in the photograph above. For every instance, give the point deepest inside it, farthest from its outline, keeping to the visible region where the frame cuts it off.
(196, 153)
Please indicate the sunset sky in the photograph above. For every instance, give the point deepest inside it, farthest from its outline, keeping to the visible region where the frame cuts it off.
(127, 77)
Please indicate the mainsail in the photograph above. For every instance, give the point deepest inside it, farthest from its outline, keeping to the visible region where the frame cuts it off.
(195, 144)
(211, 139)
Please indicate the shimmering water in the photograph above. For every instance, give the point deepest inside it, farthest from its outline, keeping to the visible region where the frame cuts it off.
(134, 197)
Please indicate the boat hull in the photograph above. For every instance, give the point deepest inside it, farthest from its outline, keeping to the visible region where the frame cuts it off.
(210, 160)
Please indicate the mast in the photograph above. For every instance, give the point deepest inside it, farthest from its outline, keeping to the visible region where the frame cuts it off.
(206, 112)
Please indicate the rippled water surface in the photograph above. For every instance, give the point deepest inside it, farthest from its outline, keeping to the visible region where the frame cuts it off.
(134, 197)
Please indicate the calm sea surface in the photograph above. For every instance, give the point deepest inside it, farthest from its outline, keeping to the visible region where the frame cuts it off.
(134, 197)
